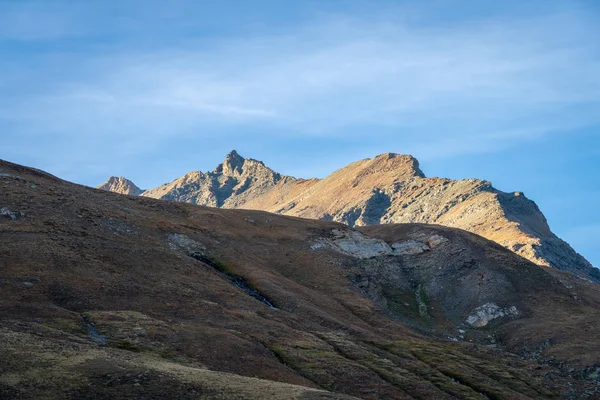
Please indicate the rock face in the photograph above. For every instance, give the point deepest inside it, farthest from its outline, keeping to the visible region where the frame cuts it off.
(121, 185)
(482, 315)
(355, 244)
(389, 188)
(233, 183)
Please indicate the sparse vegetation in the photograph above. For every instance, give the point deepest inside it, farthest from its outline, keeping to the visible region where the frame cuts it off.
(421, 298)
(182, 326)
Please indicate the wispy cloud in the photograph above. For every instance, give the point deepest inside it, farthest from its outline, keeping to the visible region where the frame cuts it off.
(494, 82)
(152, 90)
(38, 20)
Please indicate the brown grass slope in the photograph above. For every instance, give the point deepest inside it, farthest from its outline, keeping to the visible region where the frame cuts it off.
(389, 188)
(111, 296)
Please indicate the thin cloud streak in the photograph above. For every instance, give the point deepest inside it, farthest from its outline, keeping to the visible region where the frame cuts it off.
(28, 21)
(151, 90)
(327, 79)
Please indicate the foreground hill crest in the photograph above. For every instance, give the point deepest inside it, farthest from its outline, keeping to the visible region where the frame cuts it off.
(389, 188)
(120, 297)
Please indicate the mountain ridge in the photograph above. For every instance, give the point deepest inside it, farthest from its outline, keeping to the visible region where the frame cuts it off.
(389, 188)
(229, 185)
(131, 297)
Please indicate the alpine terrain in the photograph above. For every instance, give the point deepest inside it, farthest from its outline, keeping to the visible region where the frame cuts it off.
(389, 188)
(105, 296)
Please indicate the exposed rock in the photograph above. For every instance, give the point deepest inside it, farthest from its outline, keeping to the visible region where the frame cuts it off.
(178, 240)
(93, 334)
(409, 247)
(482, 315)
(317, 246)
(434, 241)
(389, 188)
(229, 185)
(121, 185)
(11, 214)
(354, 244)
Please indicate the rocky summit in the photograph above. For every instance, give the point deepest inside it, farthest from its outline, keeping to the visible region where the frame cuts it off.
(121, 185)
(232, 184)
(389, 188)
(105, 296)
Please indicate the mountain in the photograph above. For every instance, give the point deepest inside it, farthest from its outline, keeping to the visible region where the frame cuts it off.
(121, 185)
(389, 188)
(230, 185)
(110, 296)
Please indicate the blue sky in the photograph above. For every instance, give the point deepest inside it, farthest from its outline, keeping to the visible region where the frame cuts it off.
(151, 90)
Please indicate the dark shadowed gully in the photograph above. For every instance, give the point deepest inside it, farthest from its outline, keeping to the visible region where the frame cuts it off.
(237, 280)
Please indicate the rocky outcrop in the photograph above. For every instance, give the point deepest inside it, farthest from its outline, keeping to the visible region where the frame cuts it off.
(389, 188)
(4, 211)
(121, 185)
(483, 315)
(230, 185)
(355, 244)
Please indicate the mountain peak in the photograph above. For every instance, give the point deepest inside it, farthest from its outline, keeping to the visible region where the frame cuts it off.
(233, 163)
(119, 184)
(404, 164)
(234, 157)
(388, 188)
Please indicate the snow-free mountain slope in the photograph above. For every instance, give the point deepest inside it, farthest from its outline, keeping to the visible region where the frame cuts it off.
(111, 296)
(389, 188)
(229, 185)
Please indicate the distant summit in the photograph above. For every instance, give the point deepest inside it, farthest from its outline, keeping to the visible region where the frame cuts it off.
(231, 184)
(121, 185)
(399, 165)
(389, 188)
(233, 163)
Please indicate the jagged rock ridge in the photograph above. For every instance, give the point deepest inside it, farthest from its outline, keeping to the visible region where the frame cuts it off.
(229, 185)
(389, 188)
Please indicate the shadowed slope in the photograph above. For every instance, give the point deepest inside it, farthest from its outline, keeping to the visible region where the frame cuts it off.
(114, 296)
